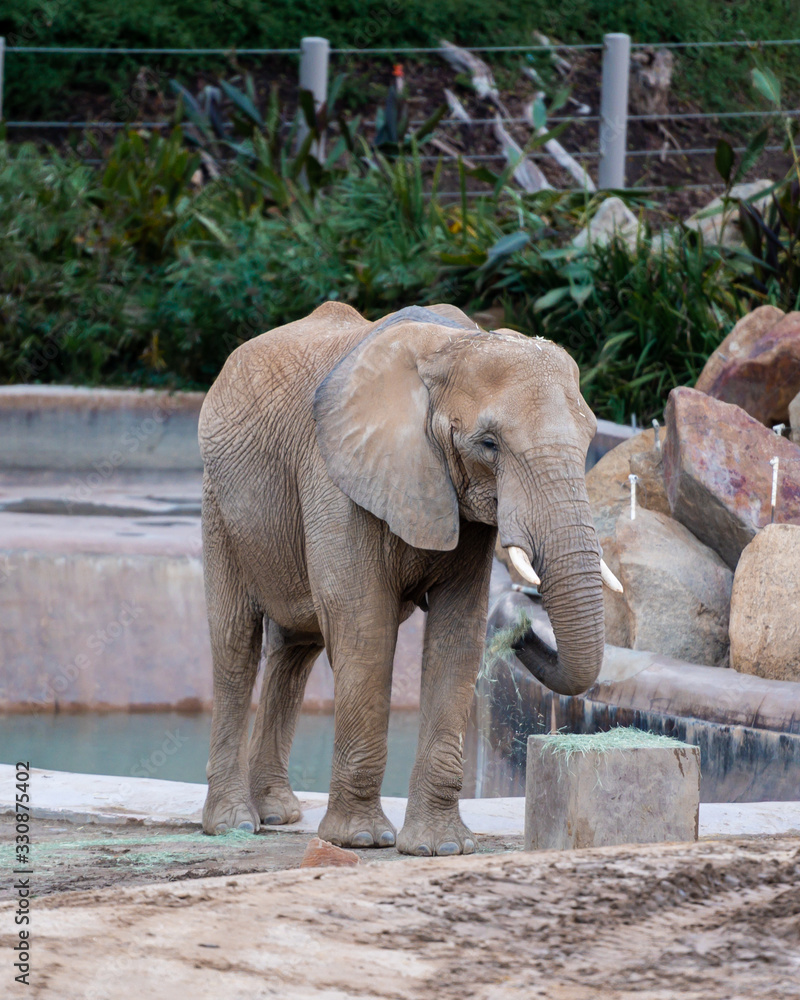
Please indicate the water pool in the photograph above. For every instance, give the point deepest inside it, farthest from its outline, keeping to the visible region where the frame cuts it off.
(174, 746)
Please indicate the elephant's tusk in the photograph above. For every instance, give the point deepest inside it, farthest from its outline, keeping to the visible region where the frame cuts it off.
(609, 579)
(522, 564)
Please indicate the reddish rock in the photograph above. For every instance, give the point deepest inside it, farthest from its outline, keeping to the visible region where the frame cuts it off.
(321, 854)
(739, 343)
(718, 476)
(757, 366)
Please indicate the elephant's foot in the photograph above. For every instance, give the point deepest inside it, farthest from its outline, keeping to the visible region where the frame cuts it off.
(229, 809)
(429, 833)
(277, 806)
(362, 825)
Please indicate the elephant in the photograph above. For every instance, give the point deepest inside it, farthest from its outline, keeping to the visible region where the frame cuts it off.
(354, 470)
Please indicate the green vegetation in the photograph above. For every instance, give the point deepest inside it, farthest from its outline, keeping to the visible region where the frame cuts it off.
(149, 271)
(38, 86)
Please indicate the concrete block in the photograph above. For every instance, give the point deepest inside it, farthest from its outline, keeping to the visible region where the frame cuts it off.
(621, 787)
(52, 427)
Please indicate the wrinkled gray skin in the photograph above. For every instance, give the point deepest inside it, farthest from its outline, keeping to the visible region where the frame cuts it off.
(353, 470)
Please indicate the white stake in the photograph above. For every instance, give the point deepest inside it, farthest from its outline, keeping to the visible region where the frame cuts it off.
(779, 429)
(633, 480)
(656, 426)
(774, 462)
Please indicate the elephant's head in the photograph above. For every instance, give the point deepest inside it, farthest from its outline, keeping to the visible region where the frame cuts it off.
(430, 420)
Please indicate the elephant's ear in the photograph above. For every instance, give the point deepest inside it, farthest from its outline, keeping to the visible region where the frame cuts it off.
(372, 427)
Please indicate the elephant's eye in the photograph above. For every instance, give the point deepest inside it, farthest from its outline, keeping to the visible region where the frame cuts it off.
(490, 445)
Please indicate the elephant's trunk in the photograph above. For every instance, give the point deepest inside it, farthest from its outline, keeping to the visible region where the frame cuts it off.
(577, 620)
(559, 533)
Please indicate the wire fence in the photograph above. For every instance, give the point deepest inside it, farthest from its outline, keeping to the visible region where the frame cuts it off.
(445, 122)
(611, 123)
(398, 50)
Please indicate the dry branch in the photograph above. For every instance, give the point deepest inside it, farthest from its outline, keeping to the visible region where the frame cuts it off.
(526, 173)
(580, 109)
(449, 150)
(457, 109)
(479, 72)
(562, 157)
(558, 61)
(651, 78)
(533, 76)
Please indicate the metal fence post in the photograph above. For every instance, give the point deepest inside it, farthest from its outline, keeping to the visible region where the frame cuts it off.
(614, 110)
(314, 53)
(2, 72)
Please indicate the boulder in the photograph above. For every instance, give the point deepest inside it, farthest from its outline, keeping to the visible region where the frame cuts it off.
(613, 217)
(676, 590)
(765, 623)
(711, 225)
(718, 475)
(608, 487)
(739, 343)
(794, 418)
(651, 493)
(607, 482)
(757, 366)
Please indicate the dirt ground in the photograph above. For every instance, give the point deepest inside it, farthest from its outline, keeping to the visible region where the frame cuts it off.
(69, 858)
(707, 921)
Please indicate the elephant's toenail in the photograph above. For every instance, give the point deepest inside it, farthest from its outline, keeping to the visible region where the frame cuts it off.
(221, 828)
(362, 839)
(469, 846)
(247, 826)
(274, 820)
(386, 839)
(423, 851)
(448, 847)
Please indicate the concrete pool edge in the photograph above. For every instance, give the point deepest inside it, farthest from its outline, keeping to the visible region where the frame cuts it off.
(111, 800)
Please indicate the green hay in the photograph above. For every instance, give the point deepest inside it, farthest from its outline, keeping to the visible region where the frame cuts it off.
(499, 646)
(621, 738)
(177, 847)
(189, 839)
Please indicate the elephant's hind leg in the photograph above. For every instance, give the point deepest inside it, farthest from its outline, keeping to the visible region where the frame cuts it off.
(235, 625)
(287, 668)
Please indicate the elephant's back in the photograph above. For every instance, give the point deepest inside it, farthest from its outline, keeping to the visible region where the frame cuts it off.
(266, 388)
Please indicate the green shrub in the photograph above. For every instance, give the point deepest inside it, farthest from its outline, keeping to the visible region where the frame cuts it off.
(64, 281)
(641, 322)
(770, 260)
(134, 275)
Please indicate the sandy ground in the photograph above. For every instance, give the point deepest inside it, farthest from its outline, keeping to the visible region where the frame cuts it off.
(716, 920)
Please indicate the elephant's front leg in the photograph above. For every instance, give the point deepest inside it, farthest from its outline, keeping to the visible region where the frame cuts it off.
(361, 651)
(454, 644)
